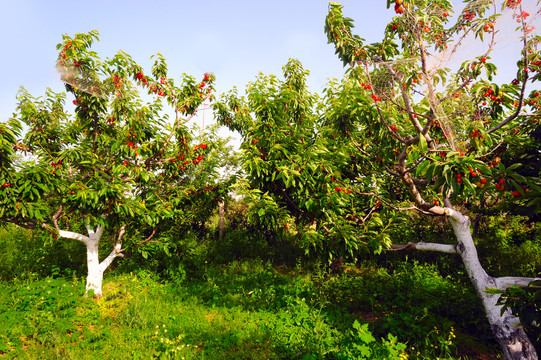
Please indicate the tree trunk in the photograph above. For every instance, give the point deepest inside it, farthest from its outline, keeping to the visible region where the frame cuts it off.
(94, 277)
(221, 224)
(506, 327)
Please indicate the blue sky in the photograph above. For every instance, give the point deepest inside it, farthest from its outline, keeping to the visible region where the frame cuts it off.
(234, 39)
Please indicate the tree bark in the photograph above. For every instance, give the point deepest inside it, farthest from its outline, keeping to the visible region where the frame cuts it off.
(221, 223)
(506, 327)
(94, 278)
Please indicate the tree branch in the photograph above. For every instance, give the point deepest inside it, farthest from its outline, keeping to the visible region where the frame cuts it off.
(55, 218)
(148, 238)
(63, 233)
(94, 232)
(117, 250)
(522, 90)
(66, 234)
(17, 220)
(506, 282)
(422, 246)
(408, 107)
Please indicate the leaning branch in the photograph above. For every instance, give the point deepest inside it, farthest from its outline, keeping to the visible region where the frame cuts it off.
(66, 234)
(55, 218)
(506, 282)
(422, 246)
(63, 233)
(117, 252)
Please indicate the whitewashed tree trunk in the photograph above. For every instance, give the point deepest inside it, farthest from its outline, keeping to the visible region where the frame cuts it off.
(506, 328)
(94, 279)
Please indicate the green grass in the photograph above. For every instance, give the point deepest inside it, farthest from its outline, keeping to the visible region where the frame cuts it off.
(242, 310)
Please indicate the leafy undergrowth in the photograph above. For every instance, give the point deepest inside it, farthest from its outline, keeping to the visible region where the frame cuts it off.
(243, 310)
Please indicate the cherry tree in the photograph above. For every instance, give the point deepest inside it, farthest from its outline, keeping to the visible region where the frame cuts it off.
(400, 132)
(120, 168)
(437, 132)
(294, 165)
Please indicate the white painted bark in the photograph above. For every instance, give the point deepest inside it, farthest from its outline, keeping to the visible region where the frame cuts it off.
(73, 235)
(94, 279)
(444, 248)
(510, 281)
(506, 327)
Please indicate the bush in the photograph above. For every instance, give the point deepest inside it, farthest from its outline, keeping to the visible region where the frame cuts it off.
(510, 246)
(27, 253)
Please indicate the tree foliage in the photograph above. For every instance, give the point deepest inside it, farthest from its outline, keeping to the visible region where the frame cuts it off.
(125, 160)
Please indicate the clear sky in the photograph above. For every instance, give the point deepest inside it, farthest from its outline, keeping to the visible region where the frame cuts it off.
(234, 39)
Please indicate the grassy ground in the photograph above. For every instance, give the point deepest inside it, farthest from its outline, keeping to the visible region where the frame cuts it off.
(247, 310)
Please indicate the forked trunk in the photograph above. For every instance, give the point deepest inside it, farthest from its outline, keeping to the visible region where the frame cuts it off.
(94, 278)
(506, 327)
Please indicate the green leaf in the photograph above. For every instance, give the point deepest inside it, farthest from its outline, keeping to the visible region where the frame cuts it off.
(377, 220)
(468, 184)
(309, 204)
(512, 167)
(430, 170)
(420, 171)
(423, 146)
